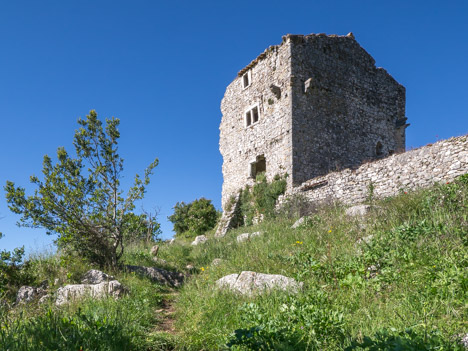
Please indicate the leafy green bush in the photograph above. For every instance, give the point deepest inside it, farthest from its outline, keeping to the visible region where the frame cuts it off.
(13, 272)
(194, 218)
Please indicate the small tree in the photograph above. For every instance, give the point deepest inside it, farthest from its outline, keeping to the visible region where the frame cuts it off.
(80, 198)
(194, 218)
(179, 217)
(142, 227)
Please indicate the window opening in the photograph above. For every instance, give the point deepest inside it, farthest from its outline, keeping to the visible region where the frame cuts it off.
(252, 116)
(248, 118)
(255, 114)
(379, 149)
(257, 167)
(246, 79)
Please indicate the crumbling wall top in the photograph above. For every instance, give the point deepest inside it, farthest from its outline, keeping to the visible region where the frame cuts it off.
(295, 38)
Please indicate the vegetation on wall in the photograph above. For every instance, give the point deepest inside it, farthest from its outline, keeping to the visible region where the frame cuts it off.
(259, 200)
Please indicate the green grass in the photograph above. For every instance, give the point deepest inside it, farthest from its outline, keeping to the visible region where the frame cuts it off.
(405, 289)
(107, 324)
(417, 297)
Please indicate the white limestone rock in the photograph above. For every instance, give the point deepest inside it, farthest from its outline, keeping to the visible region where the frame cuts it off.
(93, 276)
(247, 236)
(254, 234)
(299, 223)
(201, 239)
(242, 237)
(358, 210)
(249, 283)
(26, 294)
(217, 262)
(75, 292)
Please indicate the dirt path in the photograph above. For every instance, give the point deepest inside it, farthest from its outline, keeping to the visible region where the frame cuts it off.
(166, 313)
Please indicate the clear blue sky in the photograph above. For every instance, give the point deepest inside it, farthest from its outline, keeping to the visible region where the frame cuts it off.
(162, 68)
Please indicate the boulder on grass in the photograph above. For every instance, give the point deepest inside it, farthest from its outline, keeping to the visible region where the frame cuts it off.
(74, 292)
(300, 222)
(247, 236)
(26, 294)
(242, 237)
(93, 276)
(158, 275)
(358, 210)
(217, 261)
(249, 283)
(201, 239)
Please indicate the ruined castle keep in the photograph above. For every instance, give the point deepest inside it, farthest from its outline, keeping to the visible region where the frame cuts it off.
(309, 106)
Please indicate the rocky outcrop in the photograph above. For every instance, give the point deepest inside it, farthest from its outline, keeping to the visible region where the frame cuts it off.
(27, 294)
(94, 276)
(158, 275)
(248, 283)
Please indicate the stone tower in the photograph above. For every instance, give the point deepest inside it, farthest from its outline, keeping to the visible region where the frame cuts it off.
(311, 105)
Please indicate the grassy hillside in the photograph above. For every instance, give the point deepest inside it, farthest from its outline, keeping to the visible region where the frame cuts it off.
(394, 280)
(407, 286)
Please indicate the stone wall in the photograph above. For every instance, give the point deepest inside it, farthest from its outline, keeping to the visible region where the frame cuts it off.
(345, 109)
(322, 105)
(419, 168)
(270, 137)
